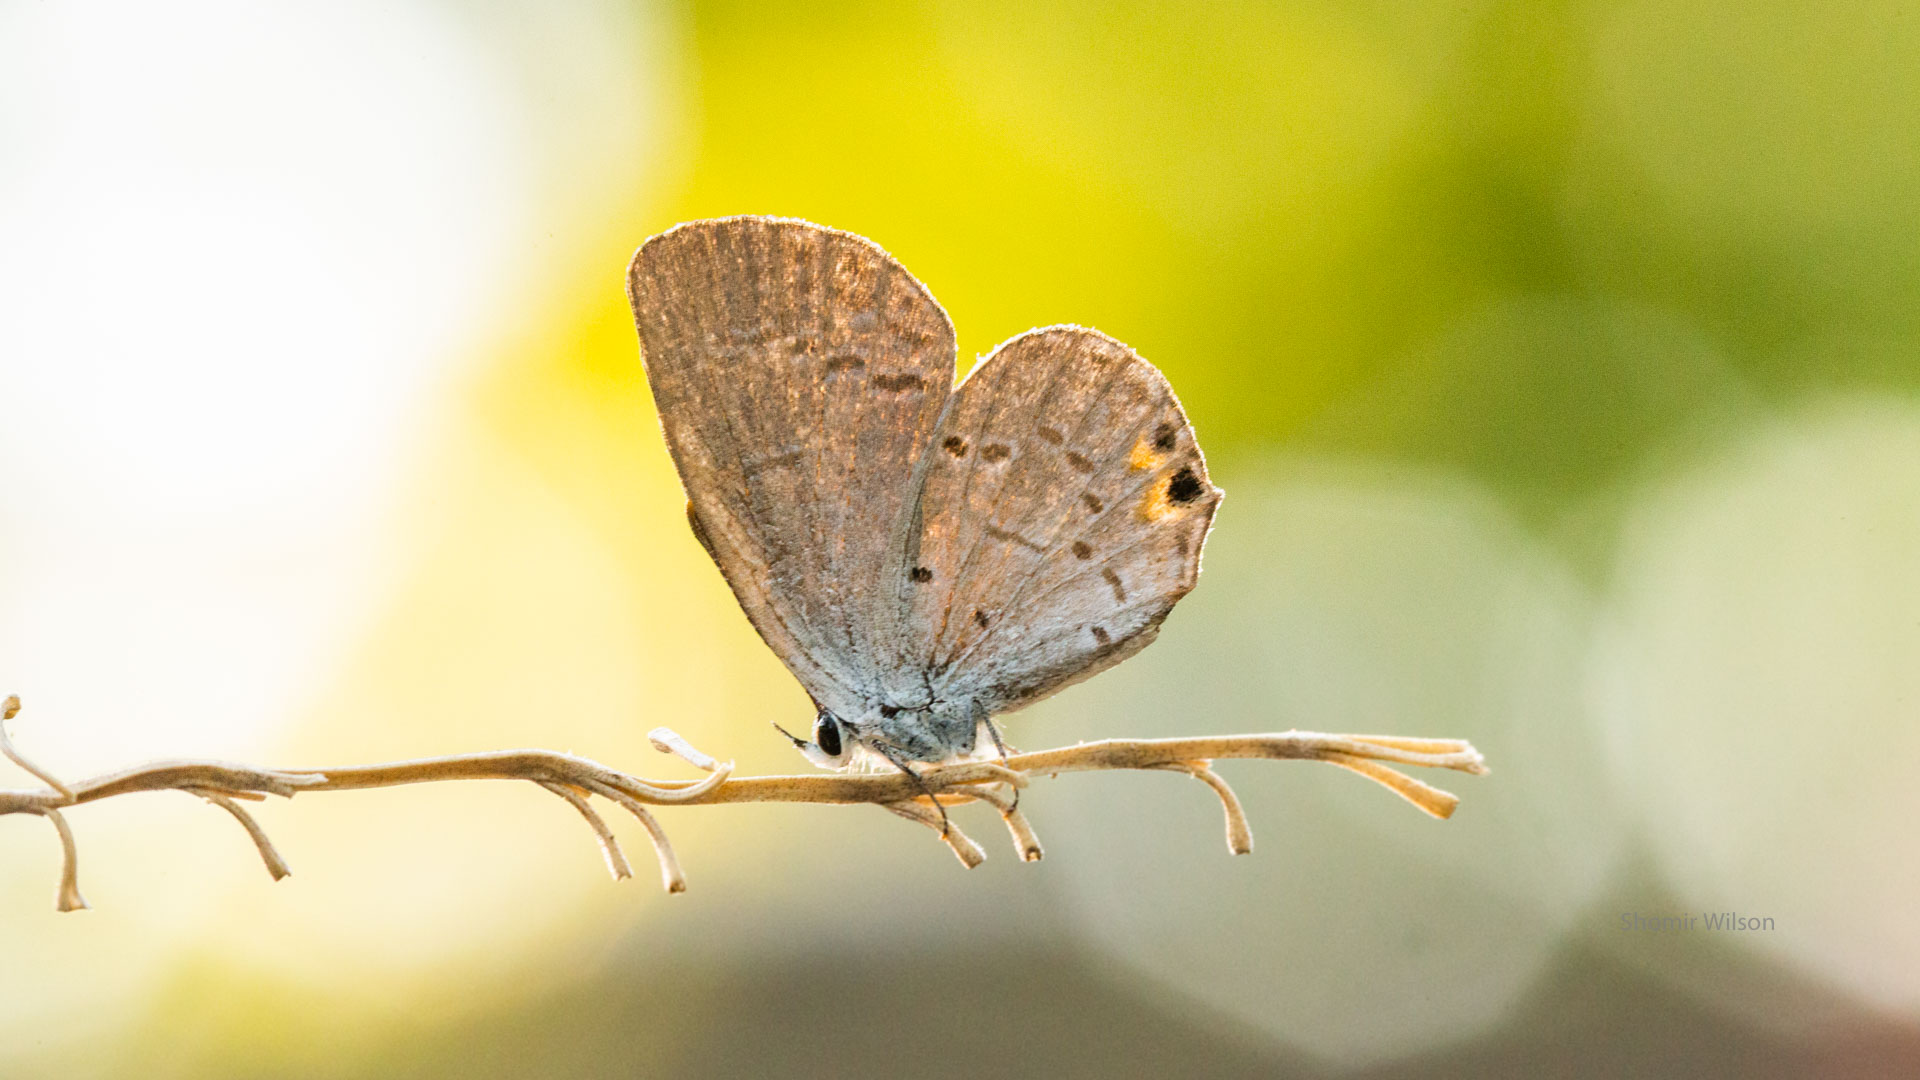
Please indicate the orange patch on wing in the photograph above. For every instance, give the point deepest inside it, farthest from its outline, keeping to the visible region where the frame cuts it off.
(1143, 456)
(1154, 503)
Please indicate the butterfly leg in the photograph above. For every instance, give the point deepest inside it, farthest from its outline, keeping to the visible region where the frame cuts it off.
(1000, 745)
(1024, 840)
(919, 781)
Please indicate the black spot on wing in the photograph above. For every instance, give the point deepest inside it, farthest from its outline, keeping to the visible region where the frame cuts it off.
(1052, 435)
(1079, 461)
(979, 618)
(1082, 549)
(1164, 436)
(921, 574)
(1113, 579)
(1100, 635)
(1093, 502)
(996, 452)
(955, 445)
(1185, 487)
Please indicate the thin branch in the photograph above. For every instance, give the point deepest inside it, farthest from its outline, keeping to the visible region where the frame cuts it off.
(68, 898)
(668, 741)
(1239, 832)
(962, 845)
(577, 779)
(609, 846)
(276, 865)
(672, 878)
(1439, 803)
(9, 709)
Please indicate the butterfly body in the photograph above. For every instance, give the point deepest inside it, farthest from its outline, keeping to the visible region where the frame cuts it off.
(922, 556)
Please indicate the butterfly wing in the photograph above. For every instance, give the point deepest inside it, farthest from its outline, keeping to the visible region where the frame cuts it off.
(1063, 508)
(799, 373)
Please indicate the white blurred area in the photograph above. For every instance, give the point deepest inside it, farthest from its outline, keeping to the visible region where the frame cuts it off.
(242, 245)
(243, 248)
(249, 254)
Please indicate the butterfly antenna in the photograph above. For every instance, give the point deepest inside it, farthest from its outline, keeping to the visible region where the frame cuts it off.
(798, 742)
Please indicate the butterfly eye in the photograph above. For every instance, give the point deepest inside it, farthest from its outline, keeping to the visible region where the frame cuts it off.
(826, 733)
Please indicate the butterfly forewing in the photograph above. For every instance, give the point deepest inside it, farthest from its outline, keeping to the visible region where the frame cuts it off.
(1062, 512)
(799, 373)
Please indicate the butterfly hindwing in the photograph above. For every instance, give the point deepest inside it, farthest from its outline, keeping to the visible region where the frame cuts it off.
(1062, 512)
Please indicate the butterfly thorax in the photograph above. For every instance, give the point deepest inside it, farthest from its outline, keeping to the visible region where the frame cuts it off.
(940, 731)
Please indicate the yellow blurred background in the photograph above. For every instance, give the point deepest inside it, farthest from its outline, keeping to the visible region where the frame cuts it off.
(1560, 361)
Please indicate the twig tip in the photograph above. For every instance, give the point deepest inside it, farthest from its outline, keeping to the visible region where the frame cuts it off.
(668, 741)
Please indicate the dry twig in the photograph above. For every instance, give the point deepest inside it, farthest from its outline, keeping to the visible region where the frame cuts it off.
(576, 780)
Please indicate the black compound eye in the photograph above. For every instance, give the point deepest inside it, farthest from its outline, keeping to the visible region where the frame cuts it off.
(826, 732)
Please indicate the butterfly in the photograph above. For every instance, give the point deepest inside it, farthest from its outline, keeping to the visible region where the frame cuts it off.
(923, 556)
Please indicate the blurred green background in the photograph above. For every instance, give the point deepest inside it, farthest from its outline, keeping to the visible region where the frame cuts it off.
(1559, 361)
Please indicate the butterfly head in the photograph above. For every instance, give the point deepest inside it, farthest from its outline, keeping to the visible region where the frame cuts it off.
(832, 744)
(884, 734)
